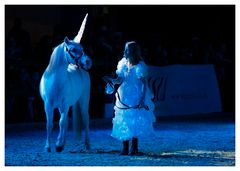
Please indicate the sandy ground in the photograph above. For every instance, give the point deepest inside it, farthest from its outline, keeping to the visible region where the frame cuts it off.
(175, 144)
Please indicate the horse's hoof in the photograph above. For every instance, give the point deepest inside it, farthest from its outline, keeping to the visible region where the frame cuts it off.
(87, 147)
(59, 148)
(47, 149)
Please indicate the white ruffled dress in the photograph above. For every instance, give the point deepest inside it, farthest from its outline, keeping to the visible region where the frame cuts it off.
(129, 123)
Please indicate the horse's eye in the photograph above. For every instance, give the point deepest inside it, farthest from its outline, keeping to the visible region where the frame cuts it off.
(73, 50)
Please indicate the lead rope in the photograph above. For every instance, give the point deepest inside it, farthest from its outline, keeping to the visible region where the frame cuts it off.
(127, 106)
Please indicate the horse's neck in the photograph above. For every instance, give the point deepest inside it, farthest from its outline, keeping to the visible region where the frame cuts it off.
(58, 60)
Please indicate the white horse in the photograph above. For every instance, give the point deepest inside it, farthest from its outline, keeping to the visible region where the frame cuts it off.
(66, 83)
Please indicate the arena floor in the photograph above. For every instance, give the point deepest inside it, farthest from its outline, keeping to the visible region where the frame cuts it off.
(176, 143)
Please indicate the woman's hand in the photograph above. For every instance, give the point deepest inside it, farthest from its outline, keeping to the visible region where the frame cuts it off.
(108, 79)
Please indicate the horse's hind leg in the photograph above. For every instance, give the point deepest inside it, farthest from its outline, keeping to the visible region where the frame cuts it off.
(85, 118)
(77, 121)
(63, 125)
(49, 116)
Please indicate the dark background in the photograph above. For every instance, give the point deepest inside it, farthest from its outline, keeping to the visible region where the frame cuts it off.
(167, 34)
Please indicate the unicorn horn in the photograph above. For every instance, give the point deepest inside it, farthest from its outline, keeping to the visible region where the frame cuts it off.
(77, 39)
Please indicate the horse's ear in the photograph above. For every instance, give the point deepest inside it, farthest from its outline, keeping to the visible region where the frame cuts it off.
(66, 40)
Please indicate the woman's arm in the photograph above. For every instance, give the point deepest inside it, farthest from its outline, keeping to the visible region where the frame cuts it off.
(117, 80)
(144, 86)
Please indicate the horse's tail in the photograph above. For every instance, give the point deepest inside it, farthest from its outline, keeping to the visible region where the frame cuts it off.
(80, 110)
(77, 121)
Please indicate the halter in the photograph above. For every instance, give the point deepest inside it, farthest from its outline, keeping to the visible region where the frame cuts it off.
(73, 57)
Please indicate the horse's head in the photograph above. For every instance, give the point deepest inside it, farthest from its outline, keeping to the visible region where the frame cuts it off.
(86, 62)
(75, 54)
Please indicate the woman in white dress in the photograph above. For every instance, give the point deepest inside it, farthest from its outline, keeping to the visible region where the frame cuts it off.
(134, 107)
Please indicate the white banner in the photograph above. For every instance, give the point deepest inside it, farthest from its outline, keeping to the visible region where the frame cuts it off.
(184, 89)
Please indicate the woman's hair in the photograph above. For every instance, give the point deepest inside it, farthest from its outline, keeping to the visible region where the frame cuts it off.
(134, 52)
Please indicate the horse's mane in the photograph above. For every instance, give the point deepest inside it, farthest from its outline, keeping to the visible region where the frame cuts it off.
(56, 58)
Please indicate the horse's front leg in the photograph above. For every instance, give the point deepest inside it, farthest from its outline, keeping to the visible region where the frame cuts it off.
(49, 126)
(63, 126)
(84, 105)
